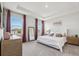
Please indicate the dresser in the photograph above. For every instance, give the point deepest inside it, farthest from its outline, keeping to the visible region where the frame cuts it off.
(73, 40)
(0, 48)
(1, 36)
(11, 47)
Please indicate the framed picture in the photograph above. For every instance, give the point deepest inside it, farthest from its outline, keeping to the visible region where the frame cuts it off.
(57, 23)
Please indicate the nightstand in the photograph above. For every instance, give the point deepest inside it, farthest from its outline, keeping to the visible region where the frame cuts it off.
(73, 40)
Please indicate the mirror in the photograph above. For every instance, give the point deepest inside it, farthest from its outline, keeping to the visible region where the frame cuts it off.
(31, 33)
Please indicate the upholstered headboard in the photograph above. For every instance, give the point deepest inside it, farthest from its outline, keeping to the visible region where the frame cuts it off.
(64, 32)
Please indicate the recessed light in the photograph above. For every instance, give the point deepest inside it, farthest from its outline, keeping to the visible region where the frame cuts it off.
(46, 6)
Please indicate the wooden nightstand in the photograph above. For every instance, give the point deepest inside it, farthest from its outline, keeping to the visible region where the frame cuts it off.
(73, 40)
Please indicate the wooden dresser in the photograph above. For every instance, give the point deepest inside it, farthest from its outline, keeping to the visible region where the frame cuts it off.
(0, 48)
(11, 47)
(73, 40)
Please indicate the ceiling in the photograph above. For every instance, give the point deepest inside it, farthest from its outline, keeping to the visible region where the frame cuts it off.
(37, 9)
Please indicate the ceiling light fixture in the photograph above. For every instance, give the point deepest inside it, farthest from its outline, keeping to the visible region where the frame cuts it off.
(46, 6)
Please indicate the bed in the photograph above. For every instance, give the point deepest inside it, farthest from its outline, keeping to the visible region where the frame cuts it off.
(53, 41)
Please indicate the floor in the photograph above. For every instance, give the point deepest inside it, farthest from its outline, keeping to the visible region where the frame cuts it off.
(36, 49)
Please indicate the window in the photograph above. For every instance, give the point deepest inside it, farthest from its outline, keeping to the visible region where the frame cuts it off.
(16, 24)
(39, 27)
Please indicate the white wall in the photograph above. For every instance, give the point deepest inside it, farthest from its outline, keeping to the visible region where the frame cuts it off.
(30, 22)
(70, 22)
(1, 14)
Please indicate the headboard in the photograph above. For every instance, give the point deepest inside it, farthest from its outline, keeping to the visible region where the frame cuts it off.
(64, 32)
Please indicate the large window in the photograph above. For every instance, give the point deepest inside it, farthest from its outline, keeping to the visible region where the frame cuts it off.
(39, 27)
(16, 24)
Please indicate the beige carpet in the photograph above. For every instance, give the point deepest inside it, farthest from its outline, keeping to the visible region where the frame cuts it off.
(36, 49)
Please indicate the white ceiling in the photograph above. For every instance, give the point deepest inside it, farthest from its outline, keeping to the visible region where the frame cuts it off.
(37, 9)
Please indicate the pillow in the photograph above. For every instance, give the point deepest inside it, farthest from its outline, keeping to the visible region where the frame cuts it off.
(6, 35)
(51, 34)
(59, 35)
(45, 34)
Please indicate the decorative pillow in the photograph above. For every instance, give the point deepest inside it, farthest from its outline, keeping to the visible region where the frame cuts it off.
(59, 35)
(45, 34)
(52, 34)
(6, 35)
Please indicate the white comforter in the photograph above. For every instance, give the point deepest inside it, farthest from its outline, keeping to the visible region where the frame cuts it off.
(57, 42)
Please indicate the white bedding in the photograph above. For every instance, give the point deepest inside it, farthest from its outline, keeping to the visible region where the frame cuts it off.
(56, 42)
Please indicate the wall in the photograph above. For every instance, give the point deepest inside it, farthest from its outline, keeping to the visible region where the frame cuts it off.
(69, 22)
(30, 22)
(1, 14)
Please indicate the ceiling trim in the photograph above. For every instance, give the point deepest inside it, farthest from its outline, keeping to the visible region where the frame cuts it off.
(61, 15)
(28, 11)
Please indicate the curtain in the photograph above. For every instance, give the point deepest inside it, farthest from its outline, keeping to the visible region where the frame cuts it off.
(36, 28)
(43, 27)
(8, 21)
(24, 29)
(0, 8)
(0, 20)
